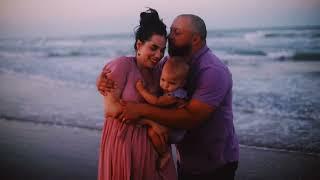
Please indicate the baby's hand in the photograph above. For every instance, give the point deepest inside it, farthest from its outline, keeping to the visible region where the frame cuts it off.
(139, 85)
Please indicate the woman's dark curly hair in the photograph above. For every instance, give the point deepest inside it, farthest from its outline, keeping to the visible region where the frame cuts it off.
(150, 24)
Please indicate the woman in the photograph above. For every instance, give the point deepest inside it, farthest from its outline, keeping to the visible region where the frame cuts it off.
(126, 151)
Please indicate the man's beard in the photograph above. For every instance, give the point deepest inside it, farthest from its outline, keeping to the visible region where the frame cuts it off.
(179, 51)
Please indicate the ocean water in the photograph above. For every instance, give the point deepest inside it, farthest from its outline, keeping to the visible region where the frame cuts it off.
(276, 74)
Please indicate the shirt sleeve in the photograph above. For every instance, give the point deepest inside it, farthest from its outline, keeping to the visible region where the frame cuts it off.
(213, 85)
(119, 68)
(179, 93)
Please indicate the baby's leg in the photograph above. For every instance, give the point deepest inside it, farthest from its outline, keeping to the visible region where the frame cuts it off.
(164, 159)
(162, 149)
(158, 135)
(156, 141)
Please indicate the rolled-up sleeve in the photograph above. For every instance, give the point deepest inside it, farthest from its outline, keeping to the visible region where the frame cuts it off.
(213, 85)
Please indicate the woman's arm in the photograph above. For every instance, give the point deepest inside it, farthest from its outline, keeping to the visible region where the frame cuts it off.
(118, 70)
(112, 105)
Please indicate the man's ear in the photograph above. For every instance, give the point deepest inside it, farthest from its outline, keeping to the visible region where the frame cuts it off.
(196, 39)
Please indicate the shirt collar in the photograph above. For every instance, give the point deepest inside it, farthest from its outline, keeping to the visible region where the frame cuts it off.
(199, 53)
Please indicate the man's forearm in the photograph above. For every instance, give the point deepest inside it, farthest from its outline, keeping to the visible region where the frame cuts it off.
(174, 118)
(188, 117)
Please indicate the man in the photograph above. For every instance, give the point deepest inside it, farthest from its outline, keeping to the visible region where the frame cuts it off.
(210, 148)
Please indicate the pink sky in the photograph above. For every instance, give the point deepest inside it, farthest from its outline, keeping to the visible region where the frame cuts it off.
(49, 17)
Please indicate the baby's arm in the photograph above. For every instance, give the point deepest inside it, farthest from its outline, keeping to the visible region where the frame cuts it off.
(152, 99)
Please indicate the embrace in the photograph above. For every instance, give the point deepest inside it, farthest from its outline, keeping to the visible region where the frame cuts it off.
(158, 109)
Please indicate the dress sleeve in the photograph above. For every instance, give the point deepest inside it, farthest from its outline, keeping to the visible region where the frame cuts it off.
(120, 68)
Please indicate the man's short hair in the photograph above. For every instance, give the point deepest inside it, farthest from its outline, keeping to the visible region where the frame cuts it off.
(198, 25)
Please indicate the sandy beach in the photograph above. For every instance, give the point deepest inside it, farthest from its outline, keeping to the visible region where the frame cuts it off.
(39, 151)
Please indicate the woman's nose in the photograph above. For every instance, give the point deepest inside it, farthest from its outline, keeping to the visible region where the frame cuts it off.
(158, 54)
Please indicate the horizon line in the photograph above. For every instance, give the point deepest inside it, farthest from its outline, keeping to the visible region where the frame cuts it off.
(300, 27)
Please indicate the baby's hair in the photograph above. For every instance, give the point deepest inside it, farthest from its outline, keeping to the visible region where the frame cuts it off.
(178, 65)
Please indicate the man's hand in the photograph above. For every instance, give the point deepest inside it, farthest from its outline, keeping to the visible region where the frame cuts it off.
(105, 84)
(131, 112)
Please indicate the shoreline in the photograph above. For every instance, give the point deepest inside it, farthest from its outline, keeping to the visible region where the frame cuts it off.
(49, 124)
(40, 151)
(280, 150)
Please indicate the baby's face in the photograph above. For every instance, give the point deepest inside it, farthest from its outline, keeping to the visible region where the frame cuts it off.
(169, 82)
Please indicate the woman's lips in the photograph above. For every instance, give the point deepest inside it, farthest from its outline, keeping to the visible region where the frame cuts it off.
(154, 61)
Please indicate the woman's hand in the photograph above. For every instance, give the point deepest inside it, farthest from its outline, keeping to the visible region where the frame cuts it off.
(105, 84)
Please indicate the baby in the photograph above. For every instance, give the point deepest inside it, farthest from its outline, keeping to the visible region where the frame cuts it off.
(172, 80)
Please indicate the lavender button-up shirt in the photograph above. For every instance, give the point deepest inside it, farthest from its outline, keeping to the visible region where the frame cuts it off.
(214, 143)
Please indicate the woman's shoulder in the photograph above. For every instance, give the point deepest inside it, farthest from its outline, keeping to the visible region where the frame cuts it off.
(120, 62)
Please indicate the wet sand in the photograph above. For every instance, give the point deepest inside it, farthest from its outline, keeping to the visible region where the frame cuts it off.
(38, 151)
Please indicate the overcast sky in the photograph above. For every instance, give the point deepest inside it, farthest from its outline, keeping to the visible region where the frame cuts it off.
(73, 17)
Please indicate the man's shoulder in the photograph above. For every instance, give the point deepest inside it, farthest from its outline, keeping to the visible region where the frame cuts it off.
(209, 61)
